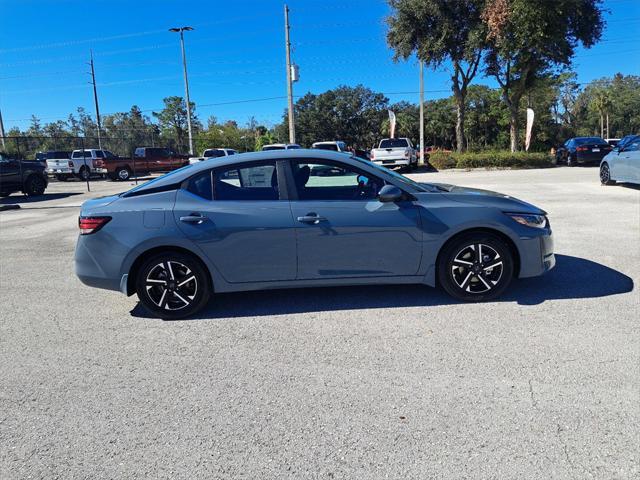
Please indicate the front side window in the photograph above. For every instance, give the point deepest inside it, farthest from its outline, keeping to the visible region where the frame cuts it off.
(633, 145)
(319, 180)
(248, 182)
(139, 152)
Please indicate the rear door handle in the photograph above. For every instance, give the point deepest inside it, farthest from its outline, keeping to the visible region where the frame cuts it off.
(193, 218)
(311, 218)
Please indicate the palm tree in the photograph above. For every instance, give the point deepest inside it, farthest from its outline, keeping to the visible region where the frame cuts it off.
(602, 103)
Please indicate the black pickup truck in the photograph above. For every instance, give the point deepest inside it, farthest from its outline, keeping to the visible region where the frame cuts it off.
(23, 176)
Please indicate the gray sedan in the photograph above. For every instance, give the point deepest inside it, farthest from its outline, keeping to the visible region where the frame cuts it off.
(303, 218)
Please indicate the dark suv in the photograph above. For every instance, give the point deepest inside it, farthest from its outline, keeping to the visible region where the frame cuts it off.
(23, 176)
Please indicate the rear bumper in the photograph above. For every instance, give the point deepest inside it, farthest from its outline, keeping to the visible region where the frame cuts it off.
(89, 270)
(59, 171)
(393, 162)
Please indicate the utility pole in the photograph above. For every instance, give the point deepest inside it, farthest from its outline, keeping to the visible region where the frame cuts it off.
(421, 112)
(2, 132)
(292, 128)
(608, 136)
(186, 82)
(95, 99)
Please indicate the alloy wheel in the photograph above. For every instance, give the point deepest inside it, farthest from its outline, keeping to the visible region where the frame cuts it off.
(605, 175)
(477, 268)
(171, 285)
(123, 174)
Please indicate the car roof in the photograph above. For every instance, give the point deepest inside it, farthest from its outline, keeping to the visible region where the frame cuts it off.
(178, 176)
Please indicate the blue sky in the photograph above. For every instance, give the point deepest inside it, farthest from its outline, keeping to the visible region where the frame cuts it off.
(235, 53)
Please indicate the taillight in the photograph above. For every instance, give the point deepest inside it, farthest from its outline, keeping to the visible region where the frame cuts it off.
(99, 163)
(582, 149)
(89, 225)
(371, 155)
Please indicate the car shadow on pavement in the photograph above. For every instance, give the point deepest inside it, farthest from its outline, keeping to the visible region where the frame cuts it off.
(572, 278)
(23, 199)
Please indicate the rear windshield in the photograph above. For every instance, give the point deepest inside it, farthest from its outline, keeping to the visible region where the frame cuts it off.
(293, 147)
(590, 140)
(394, 143)
(58, 154)
(327, 146)
(213, 153)
(272, 147)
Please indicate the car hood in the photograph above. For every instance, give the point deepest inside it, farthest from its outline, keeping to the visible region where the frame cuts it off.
(487, 198)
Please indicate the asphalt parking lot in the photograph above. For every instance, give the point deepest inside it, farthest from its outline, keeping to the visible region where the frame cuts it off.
(362, 382)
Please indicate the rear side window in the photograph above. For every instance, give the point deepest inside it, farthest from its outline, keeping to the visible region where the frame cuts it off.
(250, 182)
(201, 186)
(81, 154)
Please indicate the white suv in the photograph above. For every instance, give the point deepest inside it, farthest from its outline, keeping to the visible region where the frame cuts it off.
(83, 163)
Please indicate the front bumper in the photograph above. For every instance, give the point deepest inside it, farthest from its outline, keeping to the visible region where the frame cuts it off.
(536, 255)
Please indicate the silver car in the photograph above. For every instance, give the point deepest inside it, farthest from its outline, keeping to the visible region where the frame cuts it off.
(269, 220)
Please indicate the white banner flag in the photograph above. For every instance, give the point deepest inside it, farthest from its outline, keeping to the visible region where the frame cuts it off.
(392, 123)
(530, 116)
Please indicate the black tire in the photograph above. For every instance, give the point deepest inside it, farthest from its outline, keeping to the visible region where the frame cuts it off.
(123, 174)
(171, 304)
(470, 279)
(34, 186)
(62, 177)
(605, 175)
(84, 174)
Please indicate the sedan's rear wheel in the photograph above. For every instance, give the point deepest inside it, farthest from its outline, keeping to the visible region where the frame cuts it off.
(605, 175)
(476, 267)
(173, 285)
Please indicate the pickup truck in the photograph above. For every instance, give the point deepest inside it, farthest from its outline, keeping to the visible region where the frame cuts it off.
(395, 152)
(145, 160)
(79, 163)
(23, 176)
(213, 153)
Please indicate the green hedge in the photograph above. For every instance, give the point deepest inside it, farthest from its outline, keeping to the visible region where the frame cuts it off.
(490, 159)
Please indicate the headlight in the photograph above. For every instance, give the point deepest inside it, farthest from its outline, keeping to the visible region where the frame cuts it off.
(535, 221)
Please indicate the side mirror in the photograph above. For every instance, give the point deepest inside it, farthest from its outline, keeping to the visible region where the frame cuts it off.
(389, 193)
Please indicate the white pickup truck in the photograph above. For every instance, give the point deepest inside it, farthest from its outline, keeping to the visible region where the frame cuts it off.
(82, 164)
(395, 152)
(213, 153)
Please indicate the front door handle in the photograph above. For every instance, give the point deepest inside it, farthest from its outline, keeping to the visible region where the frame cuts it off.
(311, 218)
(193, 218)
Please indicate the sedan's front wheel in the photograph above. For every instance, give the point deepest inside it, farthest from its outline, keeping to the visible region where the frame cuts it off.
(605, 175)
(476, 267)
(173, 285)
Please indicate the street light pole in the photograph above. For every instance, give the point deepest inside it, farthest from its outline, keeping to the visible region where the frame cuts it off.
(186, 82)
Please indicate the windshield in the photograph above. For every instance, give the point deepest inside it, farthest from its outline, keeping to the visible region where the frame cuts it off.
(401, 178)
(394, 143)
(155, 180)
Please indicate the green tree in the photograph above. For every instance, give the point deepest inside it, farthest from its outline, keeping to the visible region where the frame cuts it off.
(527, 39)
(351, 114)
(438, 31)
(172, 120)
